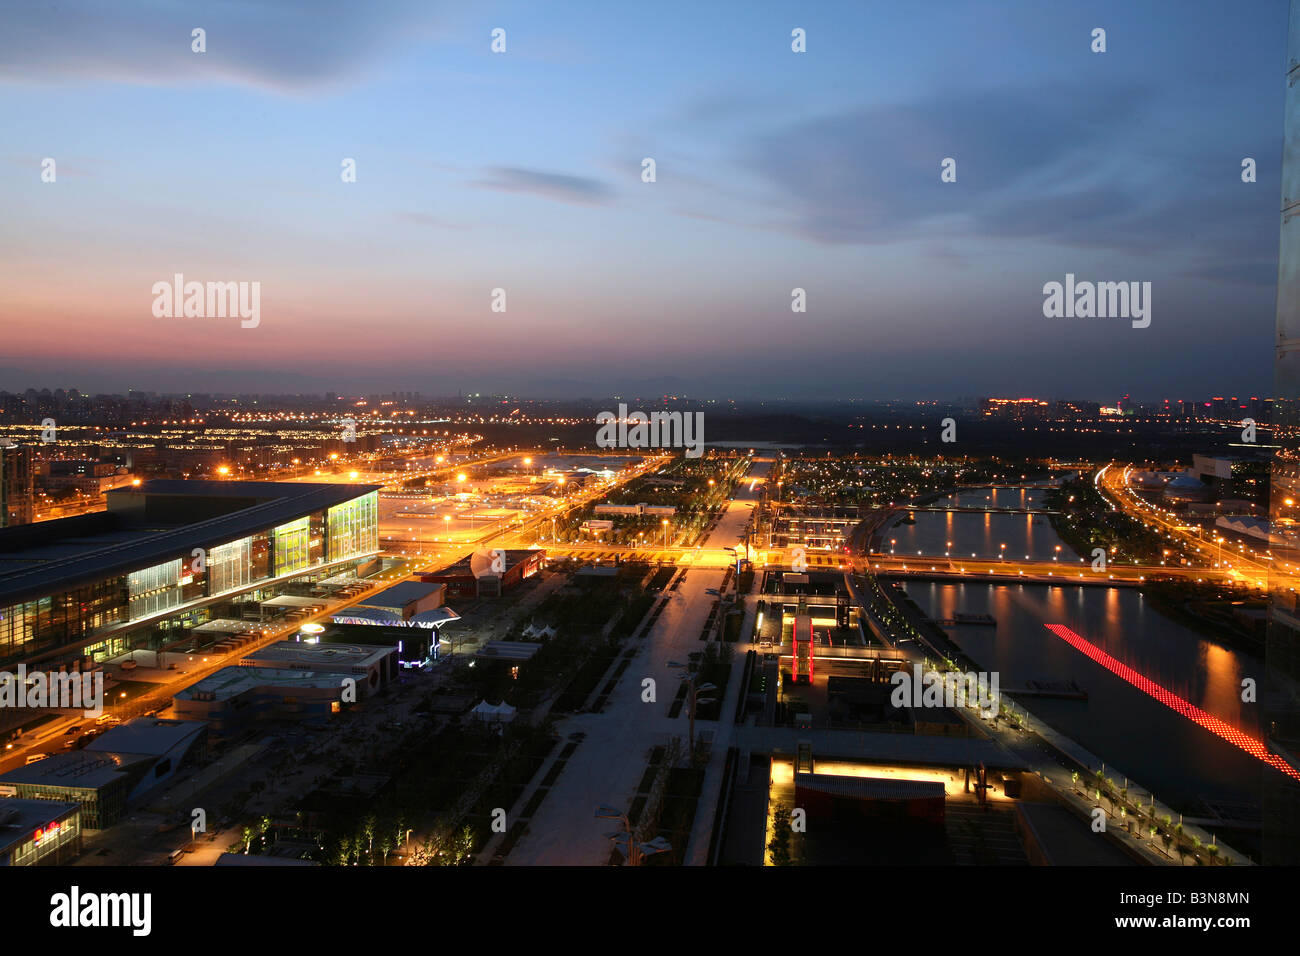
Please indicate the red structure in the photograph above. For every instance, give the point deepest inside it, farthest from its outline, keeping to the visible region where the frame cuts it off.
(829, 796)
(460, 581)
(802, 623)
(1171, 700)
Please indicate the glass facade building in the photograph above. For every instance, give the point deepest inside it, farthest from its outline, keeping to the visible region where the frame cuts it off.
(99, 611)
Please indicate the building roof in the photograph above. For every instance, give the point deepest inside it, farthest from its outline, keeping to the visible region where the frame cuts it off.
(230, 682)
(83, 769)
(21, 818)
(400, 595)
(152, 736)
(301, 656)
(869, 788)
(463, 567)
(36, 560)
(293, 600)
(225, 625)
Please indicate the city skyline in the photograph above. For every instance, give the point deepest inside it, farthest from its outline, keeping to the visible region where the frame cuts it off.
(522, 171)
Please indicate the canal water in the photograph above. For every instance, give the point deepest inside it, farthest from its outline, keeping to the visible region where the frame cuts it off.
(964, 534)
(1134, 733)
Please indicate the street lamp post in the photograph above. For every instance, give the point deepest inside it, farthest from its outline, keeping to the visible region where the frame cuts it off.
(625, 839)
(693, 695)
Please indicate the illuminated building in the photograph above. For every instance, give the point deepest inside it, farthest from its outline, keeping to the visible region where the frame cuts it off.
(119, 768)
(460, 580)
(38, 832)
(17, 501)
(166, 557)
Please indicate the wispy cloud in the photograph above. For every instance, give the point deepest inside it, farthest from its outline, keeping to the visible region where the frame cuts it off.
(278, 44)
(1041, 164)
(425, 219)
(558, 186)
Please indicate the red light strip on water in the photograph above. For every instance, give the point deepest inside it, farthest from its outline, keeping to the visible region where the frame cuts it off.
(1171, 700)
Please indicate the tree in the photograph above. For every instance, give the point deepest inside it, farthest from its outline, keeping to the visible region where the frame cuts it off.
(779, 848)
(444, 848)
(458, 848)
(368, 831)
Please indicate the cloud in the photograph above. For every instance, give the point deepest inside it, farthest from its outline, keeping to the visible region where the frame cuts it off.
(562, 188)
(277, 44)
(1049, 164)
(425, 219)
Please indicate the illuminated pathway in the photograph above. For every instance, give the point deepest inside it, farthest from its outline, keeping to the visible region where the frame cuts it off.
(1211, 723)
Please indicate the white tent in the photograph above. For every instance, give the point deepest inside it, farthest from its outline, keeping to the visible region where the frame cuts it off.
(501, 713)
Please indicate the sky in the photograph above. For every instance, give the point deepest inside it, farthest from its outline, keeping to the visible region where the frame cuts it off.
(522, 171)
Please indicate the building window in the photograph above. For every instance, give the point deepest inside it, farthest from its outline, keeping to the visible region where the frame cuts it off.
(291, 541)
(353, 527)
(155, 589)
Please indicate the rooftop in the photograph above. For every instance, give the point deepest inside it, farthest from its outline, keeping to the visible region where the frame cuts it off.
(85, 769)
(402, 594)
(153, 736)
(20, 819)
(319, 655)
(869, 788)
(513, 556)
(230, 682)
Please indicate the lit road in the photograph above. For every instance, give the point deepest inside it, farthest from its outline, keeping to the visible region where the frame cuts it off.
(1238, 559)
(1043, 570)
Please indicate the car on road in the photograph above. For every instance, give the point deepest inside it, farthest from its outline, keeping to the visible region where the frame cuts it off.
(72, 730)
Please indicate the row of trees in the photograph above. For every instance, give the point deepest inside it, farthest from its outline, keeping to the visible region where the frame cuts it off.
(1087, 521)
(1172, 836)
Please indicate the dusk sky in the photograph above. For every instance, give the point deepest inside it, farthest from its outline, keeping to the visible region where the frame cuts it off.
(522, 171)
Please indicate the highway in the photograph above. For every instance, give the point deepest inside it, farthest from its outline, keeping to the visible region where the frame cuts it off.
(1235, 563)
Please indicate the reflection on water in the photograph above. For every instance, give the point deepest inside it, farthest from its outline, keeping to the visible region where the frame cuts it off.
(998, 496)
(961, 534)
(1131, 731)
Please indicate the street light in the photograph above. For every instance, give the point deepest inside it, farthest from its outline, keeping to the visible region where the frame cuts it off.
(693, 694)
(624, 839)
